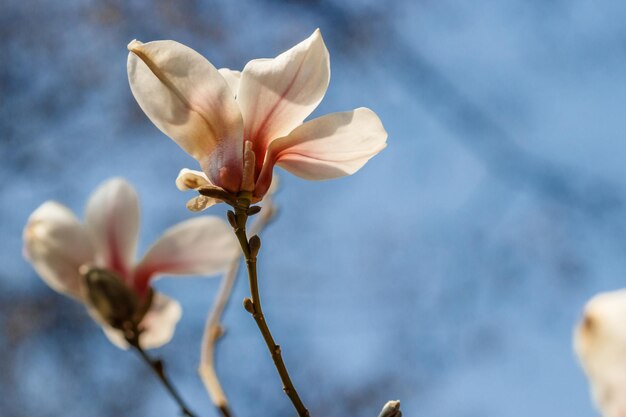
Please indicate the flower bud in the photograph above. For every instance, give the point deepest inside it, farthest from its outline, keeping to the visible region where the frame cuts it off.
(255, 245)
(248, 305)
(391, 409)
(254, 210)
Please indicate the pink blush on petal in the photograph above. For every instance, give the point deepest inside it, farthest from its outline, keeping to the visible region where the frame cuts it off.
(223, 173)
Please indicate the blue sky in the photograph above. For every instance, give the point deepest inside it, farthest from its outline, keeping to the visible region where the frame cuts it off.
(449, 272)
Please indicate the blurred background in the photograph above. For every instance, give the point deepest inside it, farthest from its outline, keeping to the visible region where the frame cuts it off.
(447, 273)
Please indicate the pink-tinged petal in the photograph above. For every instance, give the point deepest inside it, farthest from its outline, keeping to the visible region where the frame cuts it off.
(600, 343)
(158, 324)
(112, 219)
(200, 246)
(185, 96)
(57, 245)
(328, 147)
(188, 179)
(276, 95)
(232, 78)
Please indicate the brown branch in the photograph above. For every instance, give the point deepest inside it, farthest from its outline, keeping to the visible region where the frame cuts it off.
(250, 248)
(214, 329)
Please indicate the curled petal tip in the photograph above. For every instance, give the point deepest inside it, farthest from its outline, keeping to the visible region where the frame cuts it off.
(190, 180)
(186, 98)
(134, 45)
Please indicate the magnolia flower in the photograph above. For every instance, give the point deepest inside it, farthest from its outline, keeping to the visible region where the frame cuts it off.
(600, 343)
(238, 125)
(94, 262)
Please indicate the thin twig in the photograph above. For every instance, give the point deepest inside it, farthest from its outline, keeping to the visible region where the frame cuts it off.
(214, 329)
(157, 367)
(250, 248)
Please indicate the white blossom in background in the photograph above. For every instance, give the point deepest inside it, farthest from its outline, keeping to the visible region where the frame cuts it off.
(600, 343)
(238, 125)
(62, 249)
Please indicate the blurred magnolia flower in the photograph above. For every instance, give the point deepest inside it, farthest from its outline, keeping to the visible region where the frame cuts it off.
(600, 343)
(94, 262)
(238, 125)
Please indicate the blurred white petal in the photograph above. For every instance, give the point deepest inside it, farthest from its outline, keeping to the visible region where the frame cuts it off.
(200, 246)
(57, 245)
(112, 219)
(115, 336)
(158, 324)
(274, 186)
(600, 343)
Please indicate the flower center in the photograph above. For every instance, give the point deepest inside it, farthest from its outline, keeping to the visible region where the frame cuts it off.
(113, 301)
(249, 166)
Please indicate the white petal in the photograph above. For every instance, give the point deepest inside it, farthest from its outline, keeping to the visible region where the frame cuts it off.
(232, 78)
(196, 180)
(328, 147)
(57, 245)
(112, 218)
(600, 343)
(115, 336)
(186, 97)
(276, 95)
(158, 324)
(200, 246)
(188, 179)
(274, 186)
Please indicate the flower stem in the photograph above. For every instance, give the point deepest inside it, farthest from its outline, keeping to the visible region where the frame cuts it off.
(214, 329)
(157, 366)
(250, 248)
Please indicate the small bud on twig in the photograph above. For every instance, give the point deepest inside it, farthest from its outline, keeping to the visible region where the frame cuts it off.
(248, 305)
(391, 409)
(254, 210)
(232, 219)
(255, 245)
